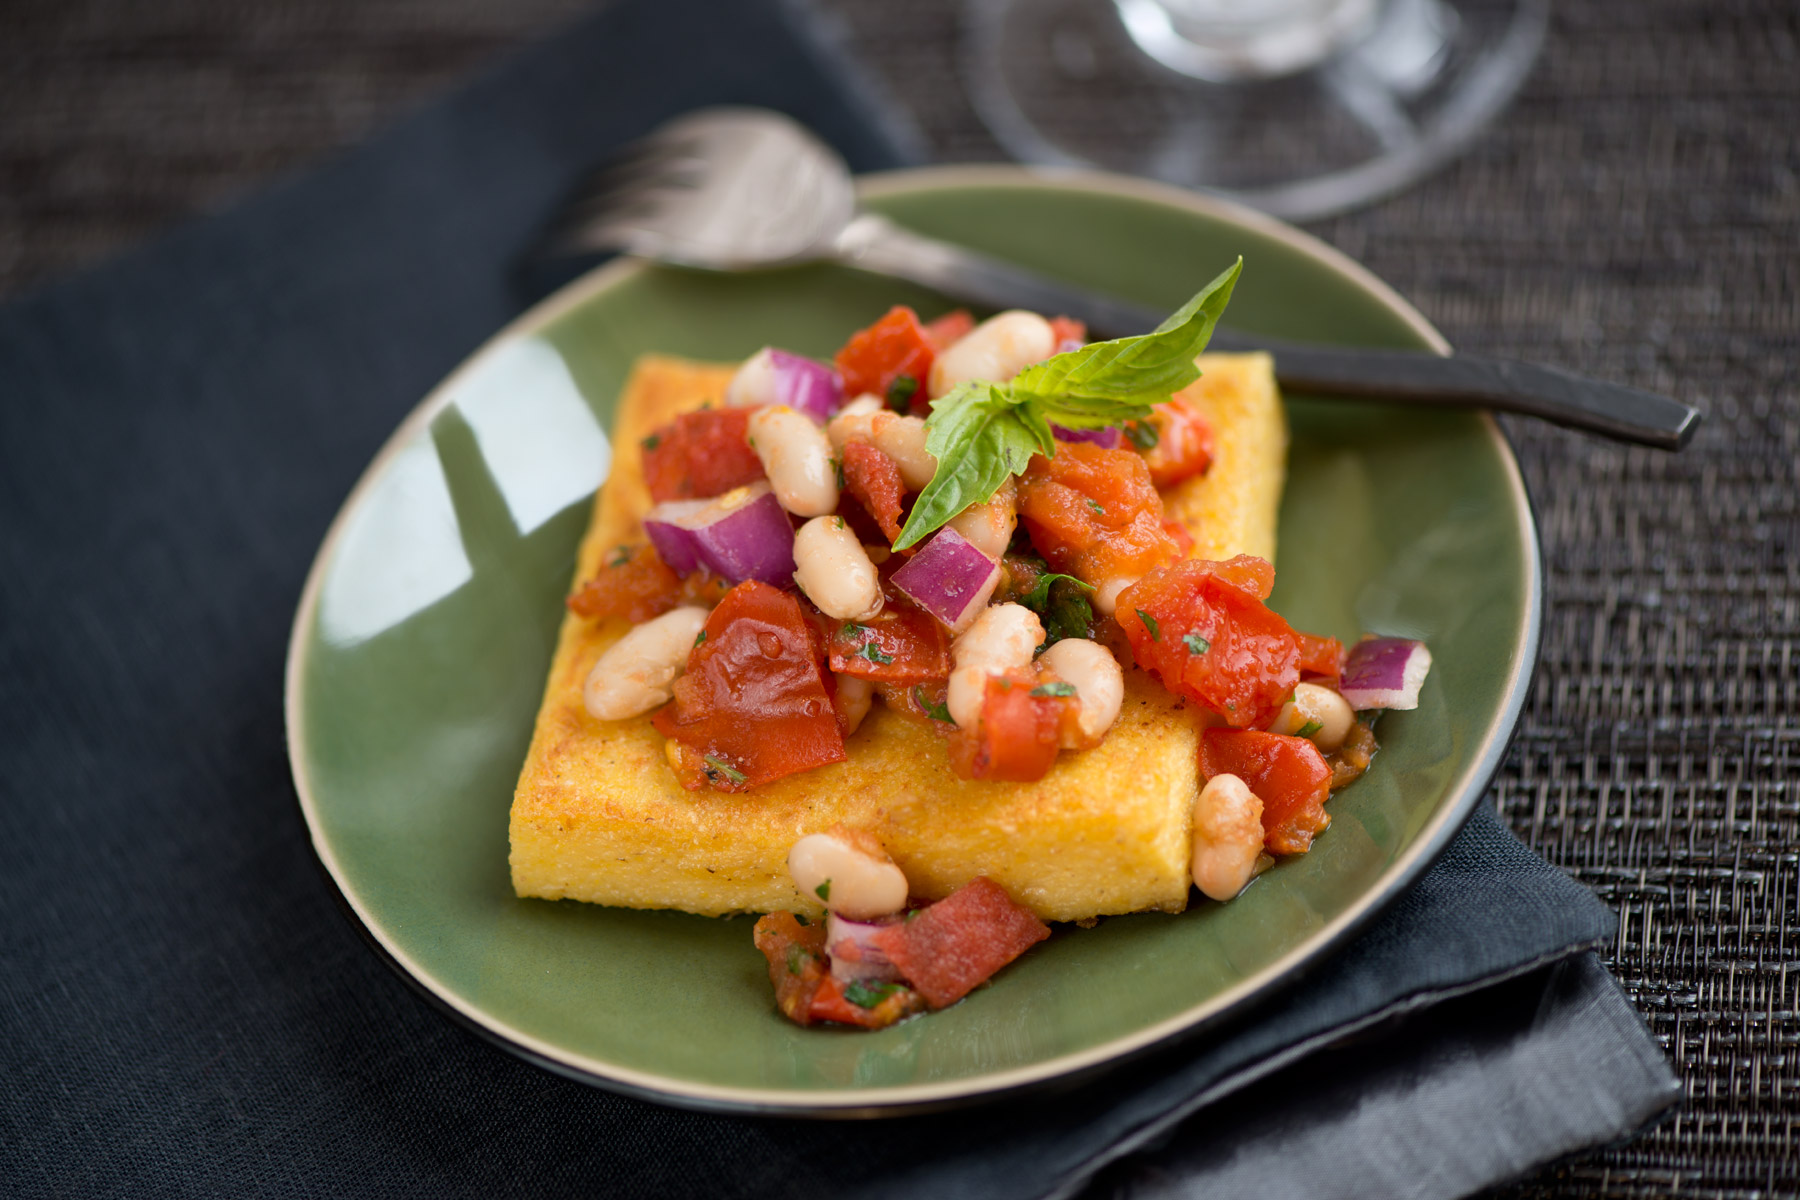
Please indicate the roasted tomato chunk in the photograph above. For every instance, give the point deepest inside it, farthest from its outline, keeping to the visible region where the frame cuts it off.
(900, 644)
(796, 955)
(874, 479)
(1019, 731)
(1069, 333)
(1178, 442)
(1203, 629)
(700, 454)
(949, 329)
(949, 948)
(634, 583)
(1288, 774)
(894, 346)
(753, 705)
(869, 1005)
(1093, 513)
(1322, 657)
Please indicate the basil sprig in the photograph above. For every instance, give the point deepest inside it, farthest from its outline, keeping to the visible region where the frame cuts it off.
(981, 433)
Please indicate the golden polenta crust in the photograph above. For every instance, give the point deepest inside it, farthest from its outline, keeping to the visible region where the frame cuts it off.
(598, 814)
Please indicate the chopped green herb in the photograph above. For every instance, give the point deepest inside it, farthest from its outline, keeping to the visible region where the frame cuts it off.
(900, 393)
(1143, 434)
(823, 891)
(797, 957)
(724, 768)
(937, 712)
(1310, 728)
(1039, 595)
(1099, 509)
(839, 521)
(873, 653)
(1150, 624)
(1196, 644)
(1059, 688)
(621, 556)
(837, 466)
(982, 432)
(801, 917)
(700, 637)
(651, 442)
(868, 995)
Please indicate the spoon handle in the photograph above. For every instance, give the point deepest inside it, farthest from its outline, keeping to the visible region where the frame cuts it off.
(873, 243)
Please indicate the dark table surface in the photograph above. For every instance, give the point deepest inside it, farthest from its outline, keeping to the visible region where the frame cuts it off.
(1635, 215)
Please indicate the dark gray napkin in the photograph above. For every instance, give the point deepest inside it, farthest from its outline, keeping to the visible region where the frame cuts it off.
(181, 1009)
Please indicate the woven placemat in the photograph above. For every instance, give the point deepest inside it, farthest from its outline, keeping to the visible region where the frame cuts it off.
(1635, 216)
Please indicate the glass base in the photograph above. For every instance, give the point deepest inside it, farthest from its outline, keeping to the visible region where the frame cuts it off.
(1065, 82)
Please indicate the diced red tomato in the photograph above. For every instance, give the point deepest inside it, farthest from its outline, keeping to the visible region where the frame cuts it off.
(700, 454)
(796, 955)
(874, 479)
(832, 1002)
(1321, 657)
(894, 346)
(1018, 734)
(1178, 533)
(753, 705)
(951, 947)
(1184, 442)
(1067, 329)
(1093, 513)
(1203, 629)
(634, 583)
(949, 329)
(900, 644)
(1288, 774)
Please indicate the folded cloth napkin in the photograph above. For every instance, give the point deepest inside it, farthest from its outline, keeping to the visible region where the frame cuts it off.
(181, 1008)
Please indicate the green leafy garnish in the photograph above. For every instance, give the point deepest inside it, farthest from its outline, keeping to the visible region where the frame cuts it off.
(1310, 728)
(1099, 509)
(1065, 611)
(724, 768)
(937, 712)
(621, 556)
(1039, 595)
(837, 466)
(873, 653)
(1195, 643)
(1058, 688)
(801, 917)
(1143, 435)
(981, 433)
(651, 442)
(1150, 624)
(796, 959)
(699, 637)
(823, 891)
(868, 995)
(900, 393)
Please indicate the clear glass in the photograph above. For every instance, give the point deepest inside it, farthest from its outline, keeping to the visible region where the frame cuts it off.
(1299, 107)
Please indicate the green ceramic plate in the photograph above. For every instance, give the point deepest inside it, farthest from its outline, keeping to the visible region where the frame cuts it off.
(421, 643)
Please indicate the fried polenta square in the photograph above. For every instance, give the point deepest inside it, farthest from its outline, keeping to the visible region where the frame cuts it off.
(599, 816)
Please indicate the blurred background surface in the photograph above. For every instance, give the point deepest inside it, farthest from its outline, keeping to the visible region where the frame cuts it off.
(1634, 215)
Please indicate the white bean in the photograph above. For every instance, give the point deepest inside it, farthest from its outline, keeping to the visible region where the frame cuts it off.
(995, 350)
(862, 405)
(854, 696)
(1316, 705)
(1105, 596)
(903, 440)
(798, 459)
(754, 384)
(852, 422)
(1003, 638)
(834, 570)
(1099, 683)
(990, 526)
(1228, 836)
(638, 671)
(852, 875)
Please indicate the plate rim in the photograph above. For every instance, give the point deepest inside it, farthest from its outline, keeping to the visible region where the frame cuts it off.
(1464, 792)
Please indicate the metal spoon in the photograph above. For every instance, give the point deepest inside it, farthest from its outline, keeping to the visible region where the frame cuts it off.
(736, 189)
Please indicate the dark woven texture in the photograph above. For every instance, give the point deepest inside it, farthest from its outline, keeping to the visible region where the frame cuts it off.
(1635, 215)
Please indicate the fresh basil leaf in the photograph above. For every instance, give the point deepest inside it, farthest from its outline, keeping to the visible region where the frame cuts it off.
(873, 653)
(900, 393)
(1308, 729)
(724, 768)
(1143, 435)
(1196, 644)
(937, 712)
(1069, 616)
(700, 637)
(1054, 689)
(979, 439)
(1150, 624)
(1133, 371)
(869, 995)
(824, 890)
(1039, 595)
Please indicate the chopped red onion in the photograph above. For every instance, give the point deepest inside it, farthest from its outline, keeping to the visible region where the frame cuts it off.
(854, 956)
(950, 578)
(744, 534)
(1385, 673)
(1107, 438)
(772, 376)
